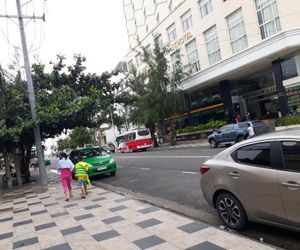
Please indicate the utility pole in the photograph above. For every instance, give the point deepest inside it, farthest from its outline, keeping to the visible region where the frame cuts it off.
(31, 96)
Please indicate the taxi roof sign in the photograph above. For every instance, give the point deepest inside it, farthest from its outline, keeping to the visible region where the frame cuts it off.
(88, 145)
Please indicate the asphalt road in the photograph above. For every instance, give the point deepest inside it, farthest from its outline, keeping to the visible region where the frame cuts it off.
(170, 178)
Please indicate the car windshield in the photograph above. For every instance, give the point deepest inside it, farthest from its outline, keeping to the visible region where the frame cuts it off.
(92, 152)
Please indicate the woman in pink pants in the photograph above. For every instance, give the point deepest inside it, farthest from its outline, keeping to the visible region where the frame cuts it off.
(65, 167)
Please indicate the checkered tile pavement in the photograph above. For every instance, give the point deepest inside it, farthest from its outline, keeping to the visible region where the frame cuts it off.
(35, 218)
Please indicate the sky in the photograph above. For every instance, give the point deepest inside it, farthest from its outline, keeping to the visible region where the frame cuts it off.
(93, 28)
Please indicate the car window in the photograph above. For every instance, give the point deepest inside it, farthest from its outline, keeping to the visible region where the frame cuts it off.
(229, 128)
(143, 132)
(222, 129)
(243, 125)
(256, 154)
(291, 155)
(226, 128)
(92, 152)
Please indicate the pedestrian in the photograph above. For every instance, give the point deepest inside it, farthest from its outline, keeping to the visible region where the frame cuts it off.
(250, 131)
(65, 167)
(81, 173)
(238, 118)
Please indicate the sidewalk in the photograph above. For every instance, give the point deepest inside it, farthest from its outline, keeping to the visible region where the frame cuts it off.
(32, 218)
(184, 144)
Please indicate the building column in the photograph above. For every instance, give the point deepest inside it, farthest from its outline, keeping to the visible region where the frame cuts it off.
(282, 99)
(226, 98)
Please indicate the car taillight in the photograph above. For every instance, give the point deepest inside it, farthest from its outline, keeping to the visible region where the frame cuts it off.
(203, 169)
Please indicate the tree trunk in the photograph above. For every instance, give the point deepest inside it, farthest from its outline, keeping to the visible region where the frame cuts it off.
(17, 161)
(7, 166)
(26, 154)
(152, 131)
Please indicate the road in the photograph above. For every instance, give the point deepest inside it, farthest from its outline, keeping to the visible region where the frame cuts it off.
(170, 178)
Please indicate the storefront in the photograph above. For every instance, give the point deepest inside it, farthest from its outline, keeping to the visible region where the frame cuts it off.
(266, 94)
(293, 99)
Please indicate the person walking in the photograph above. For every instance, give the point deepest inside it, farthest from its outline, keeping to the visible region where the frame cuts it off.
(81, 173)
(250, 131)
(65, 168)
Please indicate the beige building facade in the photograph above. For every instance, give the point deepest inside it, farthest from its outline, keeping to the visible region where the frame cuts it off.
(243, 56)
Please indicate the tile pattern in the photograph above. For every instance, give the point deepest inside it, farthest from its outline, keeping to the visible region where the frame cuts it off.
(35, 218)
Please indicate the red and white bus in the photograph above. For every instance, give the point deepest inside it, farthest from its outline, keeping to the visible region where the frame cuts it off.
(134, 140)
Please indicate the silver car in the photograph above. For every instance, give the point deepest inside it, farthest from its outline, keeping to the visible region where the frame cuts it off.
(256, 180)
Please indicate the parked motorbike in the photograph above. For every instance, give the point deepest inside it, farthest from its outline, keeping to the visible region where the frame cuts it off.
(12, 174)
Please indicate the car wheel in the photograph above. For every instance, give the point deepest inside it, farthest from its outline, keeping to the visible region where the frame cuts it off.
(4, 178)
(231, 211)
(113, 173)
(213, 143)
(240, 138)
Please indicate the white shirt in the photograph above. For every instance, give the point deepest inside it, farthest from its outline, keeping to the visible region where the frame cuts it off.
(251, 131)
(65, 163)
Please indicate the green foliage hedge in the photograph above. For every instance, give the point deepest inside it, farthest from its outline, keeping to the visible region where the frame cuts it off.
(288, 120)
(201, 127)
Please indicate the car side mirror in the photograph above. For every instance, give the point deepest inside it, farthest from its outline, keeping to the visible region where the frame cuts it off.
(219, 132)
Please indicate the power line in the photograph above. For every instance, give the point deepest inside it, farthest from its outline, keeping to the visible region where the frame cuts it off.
(8, 49)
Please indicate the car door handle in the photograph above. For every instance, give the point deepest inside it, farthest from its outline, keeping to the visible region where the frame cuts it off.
(234, 174)
(291, 184)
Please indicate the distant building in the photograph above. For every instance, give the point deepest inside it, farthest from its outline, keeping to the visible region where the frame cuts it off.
(243, 56)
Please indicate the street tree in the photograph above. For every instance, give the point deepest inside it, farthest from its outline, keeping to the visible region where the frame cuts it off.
(77, 138)
(155, 92)
(66, 97)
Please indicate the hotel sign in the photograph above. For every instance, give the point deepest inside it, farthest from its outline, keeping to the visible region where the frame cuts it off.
(178, 43)
(260, 92)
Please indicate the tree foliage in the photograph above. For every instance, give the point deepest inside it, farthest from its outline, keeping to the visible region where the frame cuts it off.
(66, 97)
(77, 138)
(156, 92)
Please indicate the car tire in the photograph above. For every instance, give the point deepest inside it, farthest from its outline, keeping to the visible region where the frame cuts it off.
(113, 173)
(213, 143)
(4, 178)
(240, 138)
(231, 211)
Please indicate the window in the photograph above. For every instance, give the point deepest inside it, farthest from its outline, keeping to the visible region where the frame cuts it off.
(172, 33)
(257, 154)
(192, 53)
(130, 65)
(143, 132)
(268, 18)
(148, 49)
(159, 41)
(226, 128)
(186, 20)
(205, 7)
(291, 155)
(138, 59)
(170, 5)
(289, 68)
(175, 58)
(157, 19)
(237, 31)
(212, 45)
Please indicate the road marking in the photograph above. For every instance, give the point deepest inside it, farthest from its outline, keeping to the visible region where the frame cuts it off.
(188, 172)
(165, 157)
(142, 168)
(133, 180)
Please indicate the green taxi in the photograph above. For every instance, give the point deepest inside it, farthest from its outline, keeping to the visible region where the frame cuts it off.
(101, 162)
